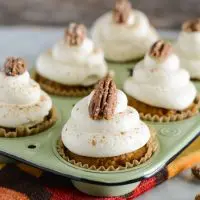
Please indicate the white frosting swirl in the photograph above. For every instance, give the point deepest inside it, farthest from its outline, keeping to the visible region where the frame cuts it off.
(122, 42)
(161, 83)
(73, 65)
(124, 133)
(21, 101)
(188, 48)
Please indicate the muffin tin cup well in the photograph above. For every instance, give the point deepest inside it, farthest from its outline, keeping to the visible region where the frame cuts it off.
(151, 146)
(40, 150)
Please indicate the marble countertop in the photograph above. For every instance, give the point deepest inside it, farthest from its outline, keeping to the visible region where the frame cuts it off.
(29, 42)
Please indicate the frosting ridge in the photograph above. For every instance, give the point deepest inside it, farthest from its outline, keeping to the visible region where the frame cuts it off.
(161, 83)
(120, 41)
(188, 47)
(123, 133)
(73, 64)
(21, 101)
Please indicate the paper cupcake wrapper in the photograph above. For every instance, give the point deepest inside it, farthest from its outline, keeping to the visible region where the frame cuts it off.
(195, 79)
(26, 130)
(55, 88)
(177, 116)
(151, 148)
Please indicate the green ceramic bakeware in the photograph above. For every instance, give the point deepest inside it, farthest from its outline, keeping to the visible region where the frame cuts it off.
(40, 150)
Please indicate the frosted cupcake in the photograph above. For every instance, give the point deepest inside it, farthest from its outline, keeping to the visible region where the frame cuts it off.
(159, 89)
(24, 108)
(72, 66)
(124, 34)
(104, 133)
(188, 47)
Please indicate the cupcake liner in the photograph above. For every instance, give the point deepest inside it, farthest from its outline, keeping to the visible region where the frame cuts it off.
(26, 130)
(172, 115)
(195, 79)
(152, 146)
(55, 88)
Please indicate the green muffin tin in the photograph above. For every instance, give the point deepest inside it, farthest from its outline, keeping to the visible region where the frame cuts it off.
(40, 150)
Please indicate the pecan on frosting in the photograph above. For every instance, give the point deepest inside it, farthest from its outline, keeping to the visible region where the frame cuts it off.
(14, 66)
(104, 100)
(191, 25)
(75, 34)
(160, 50)
(121, 11)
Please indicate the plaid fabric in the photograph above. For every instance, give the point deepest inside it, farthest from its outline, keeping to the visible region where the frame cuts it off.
(47, 186)
(22, 182)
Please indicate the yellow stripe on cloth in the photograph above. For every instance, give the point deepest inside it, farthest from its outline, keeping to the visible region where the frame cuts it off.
(195, 146)
(30, 170)
(2, 165)
(189, 157)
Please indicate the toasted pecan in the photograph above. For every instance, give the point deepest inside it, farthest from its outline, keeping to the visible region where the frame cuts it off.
(75, 34)
(191, 25)
(160, 50)
(196, 171)
(14, 66)
(104, 100)
(121, 11)
(197, 197)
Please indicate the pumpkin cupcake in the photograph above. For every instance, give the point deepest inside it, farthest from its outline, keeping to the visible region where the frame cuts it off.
(159, 89)
(24, 108)
(124, 34)
(188, 47)
(103, 133)
(73, 66)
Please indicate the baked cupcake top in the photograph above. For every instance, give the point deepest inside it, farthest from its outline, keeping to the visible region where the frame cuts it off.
(159, 81)
(21, 100)
(102, 125)
(124, 33)
(188, 47)
(74, 60)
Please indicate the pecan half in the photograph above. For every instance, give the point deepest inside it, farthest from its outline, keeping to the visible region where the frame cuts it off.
(160, 50)
(14, 66)
(121, 11)
(191, 25)
(197, 197)
(196, 171)
(75, 34)
(104, 100)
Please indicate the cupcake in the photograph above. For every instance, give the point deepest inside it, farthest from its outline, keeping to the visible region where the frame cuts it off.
(72, 66)
(103, 133)
(24, 108)
(188, 47)
(159, 89)
(124, 34)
